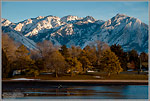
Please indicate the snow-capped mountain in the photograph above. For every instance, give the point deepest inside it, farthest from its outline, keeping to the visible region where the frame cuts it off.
(69, 18)
(37, 25)
(127, 31)
(5, 22)
(70, 30)
(18, 37)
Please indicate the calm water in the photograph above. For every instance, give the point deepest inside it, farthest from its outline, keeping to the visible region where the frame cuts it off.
(83, 92)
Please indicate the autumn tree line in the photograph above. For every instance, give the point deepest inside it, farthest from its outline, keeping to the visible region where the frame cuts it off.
(60, 60)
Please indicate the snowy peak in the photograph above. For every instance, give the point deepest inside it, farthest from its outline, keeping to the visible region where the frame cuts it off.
(69, 18)
(129, 32)
(69, 30)
(5, 22)
(121, 15)
(37, 25)
(89, 19)
(123, 20)
(40, 17)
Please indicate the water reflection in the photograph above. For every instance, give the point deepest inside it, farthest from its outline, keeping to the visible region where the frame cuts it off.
(84, 92)
(137, 91)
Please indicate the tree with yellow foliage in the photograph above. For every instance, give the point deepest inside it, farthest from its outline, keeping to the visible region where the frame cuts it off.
(74, 66)
(110, 62)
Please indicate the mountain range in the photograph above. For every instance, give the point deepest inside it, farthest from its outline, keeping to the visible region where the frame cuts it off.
(127, 31)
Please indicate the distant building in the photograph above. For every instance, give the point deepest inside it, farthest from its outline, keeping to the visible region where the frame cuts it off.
(16, 72)
(131, 65)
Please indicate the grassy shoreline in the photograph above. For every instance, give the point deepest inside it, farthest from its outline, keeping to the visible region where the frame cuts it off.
(89, 76)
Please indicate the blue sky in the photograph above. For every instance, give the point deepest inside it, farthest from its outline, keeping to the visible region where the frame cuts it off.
(18, 11)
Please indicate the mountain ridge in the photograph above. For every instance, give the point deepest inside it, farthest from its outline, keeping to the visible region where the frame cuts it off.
(69, 30)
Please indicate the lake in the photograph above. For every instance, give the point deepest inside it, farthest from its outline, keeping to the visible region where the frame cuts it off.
(79, 92)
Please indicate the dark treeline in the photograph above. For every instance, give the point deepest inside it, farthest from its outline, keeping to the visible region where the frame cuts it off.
(97, 56)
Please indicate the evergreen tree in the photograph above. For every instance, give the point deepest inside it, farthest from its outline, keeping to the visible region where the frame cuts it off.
(64, 51)
(144, 57)
(133, 57)
(144, 60)
(122, 56)
(110, 62)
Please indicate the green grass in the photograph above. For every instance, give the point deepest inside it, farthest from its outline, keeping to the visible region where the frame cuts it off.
(92, 76)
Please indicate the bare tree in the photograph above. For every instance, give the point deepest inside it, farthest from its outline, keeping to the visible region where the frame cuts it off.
(9, 47)
(45, 47)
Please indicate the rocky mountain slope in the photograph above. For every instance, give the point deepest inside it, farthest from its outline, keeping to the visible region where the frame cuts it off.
(70, 30)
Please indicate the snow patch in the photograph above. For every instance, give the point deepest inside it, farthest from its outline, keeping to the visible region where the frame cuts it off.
(24, 79)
